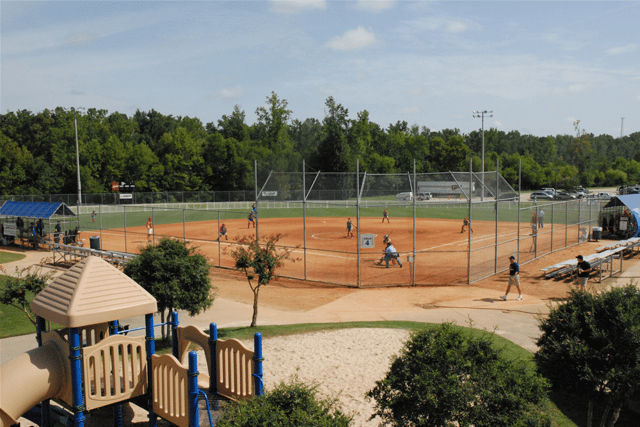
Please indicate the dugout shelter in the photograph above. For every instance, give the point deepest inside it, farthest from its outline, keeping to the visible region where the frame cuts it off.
(619, 218)
(35, 222)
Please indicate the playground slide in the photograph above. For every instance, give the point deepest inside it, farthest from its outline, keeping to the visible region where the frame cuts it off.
(29, 379)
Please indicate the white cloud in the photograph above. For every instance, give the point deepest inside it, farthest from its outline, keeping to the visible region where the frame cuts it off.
(437, 24)
(568, 45)
(80, 39)
(620, 50)
(375, 5)
(577, 88)
(352, 40)
(232, 93)
(410, 110)
(297, 6)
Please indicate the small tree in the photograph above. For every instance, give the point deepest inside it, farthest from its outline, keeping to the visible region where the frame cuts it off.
(288, 405)
(175, 275)
(261, 261)
(445, 377)
(590, 348)
(20, 288)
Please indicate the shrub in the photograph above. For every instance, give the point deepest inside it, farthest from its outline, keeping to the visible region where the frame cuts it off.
(292, 404)
(444, 378)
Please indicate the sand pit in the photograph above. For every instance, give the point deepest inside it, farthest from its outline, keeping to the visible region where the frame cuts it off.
(345, 364)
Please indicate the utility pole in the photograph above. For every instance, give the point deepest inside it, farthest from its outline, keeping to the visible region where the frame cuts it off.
(476, 115)
(621, 127)
(75, 124)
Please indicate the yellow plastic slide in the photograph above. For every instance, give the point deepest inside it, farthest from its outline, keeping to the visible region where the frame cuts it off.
(29, 379)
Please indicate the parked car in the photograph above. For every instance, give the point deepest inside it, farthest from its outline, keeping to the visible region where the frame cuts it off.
(406, 196)
(424, 196)
(602, 196)
(563, 195)
(541, 195)
(551, 191)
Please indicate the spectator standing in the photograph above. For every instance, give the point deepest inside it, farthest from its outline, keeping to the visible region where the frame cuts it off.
(514, 278)
(584, 268)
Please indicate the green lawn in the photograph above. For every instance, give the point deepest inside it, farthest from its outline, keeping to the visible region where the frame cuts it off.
(564, 411)
(10, 257)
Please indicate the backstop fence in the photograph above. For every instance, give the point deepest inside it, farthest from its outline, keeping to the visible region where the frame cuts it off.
(311, 209)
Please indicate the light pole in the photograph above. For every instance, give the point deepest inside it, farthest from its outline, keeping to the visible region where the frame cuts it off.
(75, 125)
(481, 114)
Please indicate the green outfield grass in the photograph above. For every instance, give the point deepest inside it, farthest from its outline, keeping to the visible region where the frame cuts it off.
(370, 207)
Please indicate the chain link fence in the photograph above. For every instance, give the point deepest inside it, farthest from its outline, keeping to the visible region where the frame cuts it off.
(426, 213)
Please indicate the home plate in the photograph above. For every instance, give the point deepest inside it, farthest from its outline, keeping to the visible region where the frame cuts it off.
(323, 222)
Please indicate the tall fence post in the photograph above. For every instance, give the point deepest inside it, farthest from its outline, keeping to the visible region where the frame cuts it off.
(124, 215)
(304, 217)
(519, 204)
(495, 207)
(358, 220)
(469, 232)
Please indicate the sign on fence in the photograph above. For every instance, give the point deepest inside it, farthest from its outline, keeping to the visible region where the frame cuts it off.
(10, 229)
(368, 241)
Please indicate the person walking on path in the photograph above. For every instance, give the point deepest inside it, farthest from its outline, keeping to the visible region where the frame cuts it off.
(385, 215)
(514, 279)
(149, 229)
(584, 269)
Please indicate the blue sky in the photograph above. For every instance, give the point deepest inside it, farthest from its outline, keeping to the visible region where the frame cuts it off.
(539, 66)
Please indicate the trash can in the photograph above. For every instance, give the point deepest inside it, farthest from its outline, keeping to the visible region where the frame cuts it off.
(597, 233)
(94, 242)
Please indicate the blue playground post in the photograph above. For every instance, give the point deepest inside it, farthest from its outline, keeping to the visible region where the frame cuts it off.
(117, 408)
(75, 357)
(257, 360)
(41, 326)
(174, 333)
(193, 390)
(213, 351)
(151, 349)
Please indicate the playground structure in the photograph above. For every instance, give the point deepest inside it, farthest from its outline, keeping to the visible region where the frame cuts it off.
(93, 363)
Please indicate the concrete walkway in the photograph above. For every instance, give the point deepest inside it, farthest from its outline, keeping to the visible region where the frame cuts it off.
(514, 320)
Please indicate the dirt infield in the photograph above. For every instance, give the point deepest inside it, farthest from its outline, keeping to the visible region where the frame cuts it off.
(442, 256)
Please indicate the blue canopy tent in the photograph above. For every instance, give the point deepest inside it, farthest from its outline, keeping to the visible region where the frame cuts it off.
(627, 206)
(37, 210)
(16, 216)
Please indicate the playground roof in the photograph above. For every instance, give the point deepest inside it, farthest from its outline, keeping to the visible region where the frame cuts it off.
(44, 210)
(632, 202)
(92, 292)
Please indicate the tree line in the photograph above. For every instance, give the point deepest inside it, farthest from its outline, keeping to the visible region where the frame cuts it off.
(165, 153)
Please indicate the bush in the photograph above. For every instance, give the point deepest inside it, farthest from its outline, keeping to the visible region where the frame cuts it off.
(590, 349)
(288, 405)
(444, 377)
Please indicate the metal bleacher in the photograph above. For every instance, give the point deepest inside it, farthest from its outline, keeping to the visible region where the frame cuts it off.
(601, 261)
(70, 254)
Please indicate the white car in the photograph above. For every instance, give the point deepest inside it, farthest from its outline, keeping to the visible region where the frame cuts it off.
(541, 195)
